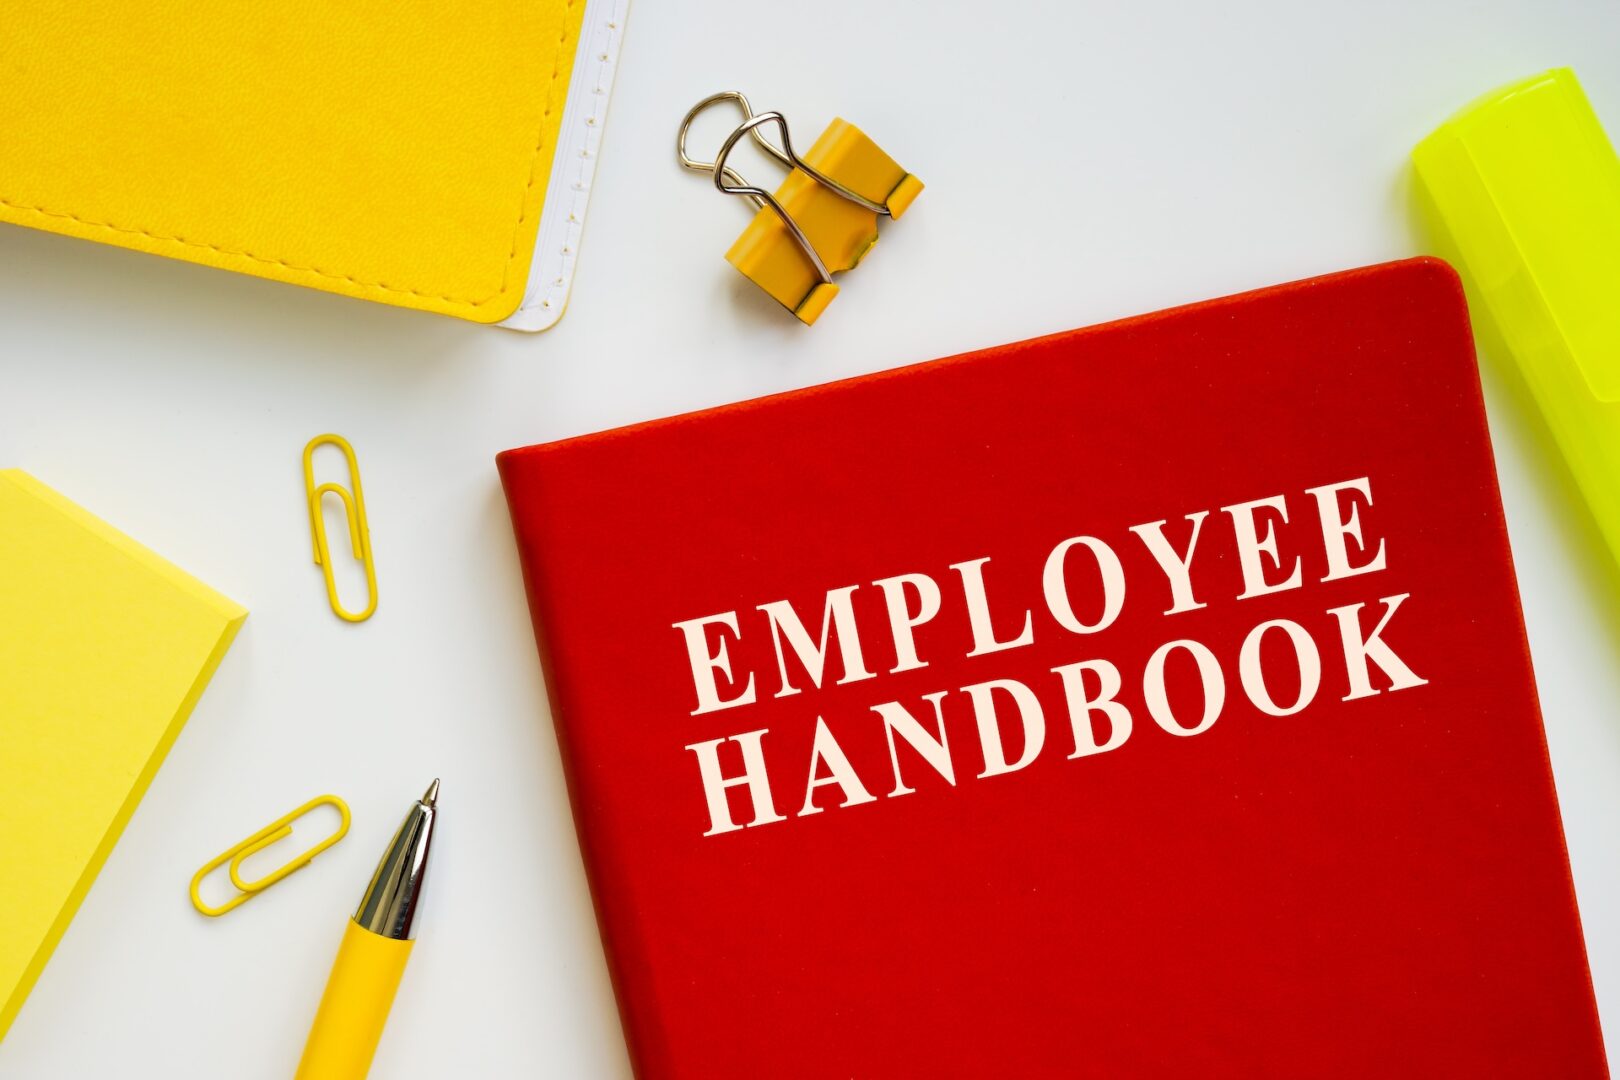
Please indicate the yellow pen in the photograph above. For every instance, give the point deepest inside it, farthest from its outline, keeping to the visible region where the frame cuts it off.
(369, 963)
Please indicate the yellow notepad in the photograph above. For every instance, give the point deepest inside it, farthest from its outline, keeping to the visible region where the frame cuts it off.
(430, 156)
(104, 649)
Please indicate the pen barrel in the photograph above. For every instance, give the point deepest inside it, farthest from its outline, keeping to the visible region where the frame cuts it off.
(355, 1006)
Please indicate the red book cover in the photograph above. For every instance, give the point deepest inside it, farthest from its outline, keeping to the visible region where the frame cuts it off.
(1147, 700)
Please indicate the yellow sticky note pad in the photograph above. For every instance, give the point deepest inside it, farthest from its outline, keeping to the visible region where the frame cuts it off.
(104, 649)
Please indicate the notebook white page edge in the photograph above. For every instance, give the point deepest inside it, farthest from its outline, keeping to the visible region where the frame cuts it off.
(568, 191)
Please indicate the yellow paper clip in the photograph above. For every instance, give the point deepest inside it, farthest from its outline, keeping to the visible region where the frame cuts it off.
(239, 853)
(359, 529)
(821, 221)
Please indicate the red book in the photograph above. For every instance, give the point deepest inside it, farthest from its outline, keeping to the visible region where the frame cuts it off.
(1146, 700)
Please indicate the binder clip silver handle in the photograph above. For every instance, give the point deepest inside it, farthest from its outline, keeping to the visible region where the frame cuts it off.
(843, 169)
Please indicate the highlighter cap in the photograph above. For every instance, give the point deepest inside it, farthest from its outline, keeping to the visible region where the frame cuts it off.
(1525, 187)
(1528, 187)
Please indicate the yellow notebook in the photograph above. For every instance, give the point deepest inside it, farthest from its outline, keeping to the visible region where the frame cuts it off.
(428, 155)
(104, 649)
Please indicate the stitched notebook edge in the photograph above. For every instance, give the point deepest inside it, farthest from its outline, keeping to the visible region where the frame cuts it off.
(573, 169)
(489, 308)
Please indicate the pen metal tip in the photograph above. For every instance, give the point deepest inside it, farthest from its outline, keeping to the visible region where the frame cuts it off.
(431, 798)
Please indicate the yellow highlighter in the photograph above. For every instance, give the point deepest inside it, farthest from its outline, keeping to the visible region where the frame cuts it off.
(376, 944)
(1526, 186)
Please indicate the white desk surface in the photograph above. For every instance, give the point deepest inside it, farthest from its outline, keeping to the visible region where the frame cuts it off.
(1083, 161)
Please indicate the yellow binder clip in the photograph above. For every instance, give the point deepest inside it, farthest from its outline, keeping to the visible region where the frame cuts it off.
(278, 829)
(821, 221)
(359, 529)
